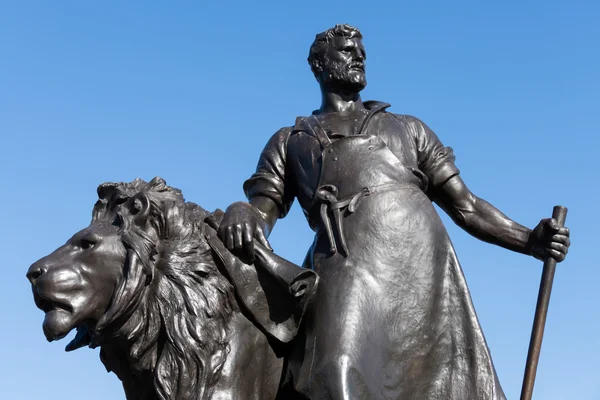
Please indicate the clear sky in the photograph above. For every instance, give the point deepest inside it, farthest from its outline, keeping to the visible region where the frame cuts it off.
(191, 91)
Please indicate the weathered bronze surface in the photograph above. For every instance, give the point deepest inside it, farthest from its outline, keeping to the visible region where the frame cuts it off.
(393, 318)
(187, 304)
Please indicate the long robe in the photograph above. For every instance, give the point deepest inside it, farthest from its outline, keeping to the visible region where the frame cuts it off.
(393, 317)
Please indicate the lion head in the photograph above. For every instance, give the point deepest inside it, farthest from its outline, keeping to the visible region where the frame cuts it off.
(141, 280)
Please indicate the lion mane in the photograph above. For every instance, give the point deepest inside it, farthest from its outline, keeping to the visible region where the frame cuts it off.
(173, 306)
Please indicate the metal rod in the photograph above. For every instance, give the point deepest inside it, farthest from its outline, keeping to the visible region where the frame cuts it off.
(537, 333)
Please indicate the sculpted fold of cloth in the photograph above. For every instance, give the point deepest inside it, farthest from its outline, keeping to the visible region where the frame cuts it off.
(392, 316)
(275, 291)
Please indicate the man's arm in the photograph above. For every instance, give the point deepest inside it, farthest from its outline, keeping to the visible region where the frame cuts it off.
(270, 197)
(487, 223)
(268, 211)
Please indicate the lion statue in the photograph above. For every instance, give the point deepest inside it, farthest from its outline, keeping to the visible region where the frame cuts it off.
(176, 316)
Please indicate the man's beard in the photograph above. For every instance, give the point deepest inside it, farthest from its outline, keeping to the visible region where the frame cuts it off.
(339, 78)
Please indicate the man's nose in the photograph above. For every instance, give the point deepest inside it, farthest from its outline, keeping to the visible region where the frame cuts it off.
(35, 272)
(358, 54)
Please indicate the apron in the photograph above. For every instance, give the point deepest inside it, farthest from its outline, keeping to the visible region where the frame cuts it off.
(392, 318)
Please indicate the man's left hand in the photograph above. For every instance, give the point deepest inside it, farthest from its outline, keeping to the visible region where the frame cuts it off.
(549, 240)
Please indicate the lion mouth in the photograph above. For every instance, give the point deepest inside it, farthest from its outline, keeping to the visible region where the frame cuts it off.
(58, 321)
(46, 305)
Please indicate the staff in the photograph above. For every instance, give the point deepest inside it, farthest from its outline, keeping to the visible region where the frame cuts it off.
(537, 333)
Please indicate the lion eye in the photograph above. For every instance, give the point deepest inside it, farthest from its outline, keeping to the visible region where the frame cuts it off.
(118, 221)
(86, 244)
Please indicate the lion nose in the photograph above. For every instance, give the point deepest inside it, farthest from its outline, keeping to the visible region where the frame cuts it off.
(34, 272)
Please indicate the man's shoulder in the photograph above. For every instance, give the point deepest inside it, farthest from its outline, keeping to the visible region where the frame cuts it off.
(278, 141)
(283, 131)
(282, 134)
(404, 118)
(408, 122)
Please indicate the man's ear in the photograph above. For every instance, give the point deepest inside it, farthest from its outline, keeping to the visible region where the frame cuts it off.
(317, 66)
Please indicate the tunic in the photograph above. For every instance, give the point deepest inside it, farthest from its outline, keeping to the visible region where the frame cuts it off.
(393, 317)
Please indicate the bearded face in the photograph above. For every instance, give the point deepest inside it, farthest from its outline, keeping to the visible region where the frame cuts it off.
(343, 66)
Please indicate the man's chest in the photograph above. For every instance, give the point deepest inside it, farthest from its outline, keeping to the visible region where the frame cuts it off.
(305, 151)
(339, 125)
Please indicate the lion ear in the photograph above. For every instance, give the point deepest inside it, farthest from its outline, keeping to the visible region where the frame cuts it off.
(106, 190)
(139, 208)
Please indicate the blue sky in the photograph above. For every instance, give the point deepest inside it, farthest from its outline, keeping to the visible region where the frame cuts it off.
(191, 91)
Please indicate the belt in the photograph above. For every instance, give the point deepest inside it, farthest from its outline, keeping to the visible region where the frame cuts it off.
(326, 195)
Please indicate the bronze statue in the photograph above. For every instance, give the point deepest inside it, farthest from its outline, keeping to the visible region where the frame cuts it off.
(175, 314)
(393, 318)
(187, 304)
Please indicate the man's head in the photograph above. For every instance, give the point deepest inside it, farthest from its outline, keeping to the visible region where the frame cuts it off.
(337, 58)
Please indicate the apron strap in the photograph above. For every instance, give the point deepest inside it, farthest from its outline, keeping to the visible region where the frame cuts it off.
(314, 128)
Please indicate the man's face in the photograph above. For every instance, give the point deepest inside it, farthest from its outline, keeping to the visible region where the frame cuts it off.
(345, 64)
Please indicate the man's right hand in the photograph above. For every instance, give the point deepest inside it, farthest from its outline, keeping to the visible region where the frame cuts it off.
(241, 225)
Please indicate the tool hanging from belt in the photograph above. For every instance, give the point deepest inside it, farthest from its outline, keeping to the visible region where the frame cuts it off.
(327, 196)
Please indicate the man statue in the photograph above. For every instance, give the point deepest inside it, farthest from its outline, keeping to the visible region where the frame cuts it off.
(392, 317)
